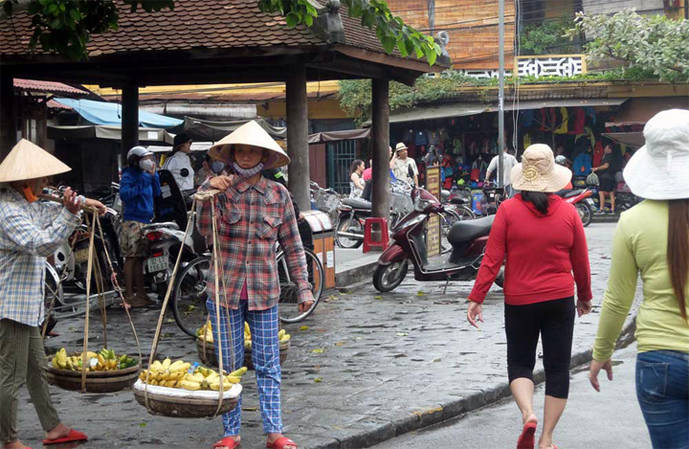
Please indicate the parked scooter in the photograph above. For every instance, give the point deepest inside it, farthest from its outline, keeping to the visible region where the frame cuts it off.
(581, 199)
(468, 239)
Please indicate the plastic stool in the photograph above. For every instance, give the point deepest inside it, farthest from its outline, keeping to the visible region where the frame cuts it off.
(368, 239)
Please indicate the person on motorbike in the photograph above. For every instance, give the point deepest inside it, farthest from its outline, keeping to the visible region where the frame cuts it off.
(403, 166)
(562, 160)
(139, 186)
(254, 215)
(541, 241)
(30, 231)
(179, 164)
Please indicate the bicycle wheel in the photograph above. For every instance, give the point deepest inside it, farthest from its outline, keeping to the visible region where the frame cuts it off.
(190, 294)
(52, 291)
(289, 309)
(352, 225)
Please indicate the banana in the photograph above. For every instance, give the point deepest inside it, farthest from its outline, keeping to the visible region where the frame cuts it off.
(189, 385)
(285, 338)
(166, 364)
(176, 366)
(240, 372)
(156, 366)
(281, 333)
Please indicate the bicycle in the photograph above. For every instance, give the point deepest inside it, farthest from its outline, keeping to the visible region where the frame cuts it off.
(188, 301)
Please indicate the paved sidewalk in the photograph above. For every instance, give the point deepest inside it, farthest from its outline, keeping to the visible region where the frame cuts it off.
(367, 368)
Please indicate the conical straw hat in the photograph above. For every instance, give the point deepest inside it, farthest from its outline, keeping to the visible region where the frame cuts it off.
(250, 133)
(28, 161)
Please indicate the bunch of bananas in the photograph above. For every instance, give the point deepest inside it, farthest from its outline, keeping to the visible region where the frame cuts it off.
(205, 332)
(104, 360)
(180, 374)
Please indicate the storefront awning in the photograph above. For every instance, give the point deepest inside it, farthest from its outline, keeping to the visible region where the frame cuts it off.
(464, 109)
(333, 136)
(632, 139)
(104, 113)
(106, 132)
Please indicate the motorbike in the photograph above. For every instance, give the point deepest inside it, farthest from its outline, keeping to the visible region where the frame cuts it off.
(582, 201)
(467, 238)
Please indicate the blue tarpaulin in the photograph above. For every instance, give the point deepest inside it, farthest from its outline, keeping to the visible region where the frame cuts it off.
(104, 113)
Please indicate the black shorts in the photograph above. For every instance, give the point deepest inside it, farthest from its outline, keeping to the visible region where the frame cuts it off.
(607, 184)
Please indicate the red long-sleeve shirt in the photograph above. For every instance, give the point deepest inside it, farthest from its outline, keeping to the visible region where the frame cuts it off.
(540, 253)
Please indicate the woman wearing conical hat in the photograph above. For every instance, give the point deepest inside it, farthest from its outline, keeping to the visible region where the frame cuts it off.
(30, 231)
(253, 213)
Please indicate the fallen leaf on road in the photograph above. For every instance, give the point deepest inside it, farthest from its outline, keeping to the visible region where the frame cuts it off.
(318, 379)
(317, 350)
(436, 360)
(378, 297)
(339, 343)
(402, 334)
(142, 424)
(304, 328)
(420, 293)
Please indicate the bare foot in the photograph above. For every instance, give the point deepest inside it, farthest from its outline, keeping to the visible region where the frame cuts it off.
(16, 444)
(236, 438)
(59, 431)
(529, 418)
(272, 437)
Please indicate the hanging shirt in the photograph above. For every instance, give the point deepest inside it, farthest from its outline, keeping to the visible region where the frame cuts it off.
(29, 232)
(179, 164)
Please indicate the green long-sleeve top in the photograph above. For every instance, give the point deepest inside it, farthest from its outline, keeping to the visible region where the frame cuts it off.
(640, 246)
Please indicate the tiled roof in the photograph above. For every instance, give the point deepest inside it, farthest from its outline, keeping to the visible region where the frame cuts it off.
(47, 86)
(211, 24)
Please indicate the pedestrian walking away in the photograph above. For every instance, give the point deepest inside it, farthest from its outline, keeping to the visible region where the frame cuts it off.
(652, 239)
(508, 162)
(255, 213)
(541, 240)
(30, 231)
(139, 186)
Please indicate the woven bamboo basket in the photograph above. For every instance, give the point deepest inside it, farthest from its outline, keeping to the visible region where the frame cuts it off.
(209, 358)
(96, 381)
(167, 401)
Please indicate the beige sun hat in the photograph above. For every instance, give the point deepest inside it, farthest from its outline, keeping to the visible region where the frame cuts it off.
(29, 161)
(250, 133)
(659, 170)
(400, 146)
(538, 171)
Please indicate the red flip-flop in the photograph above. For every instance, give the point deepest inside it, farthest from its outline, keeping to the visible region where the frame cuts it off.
(281, 443)
(526, 439)
(73, 435)
(227, 442)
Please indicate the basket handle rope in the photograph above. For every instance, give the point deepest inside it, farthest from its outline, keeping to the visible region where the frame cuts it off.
(89, 273)
(116, 284)
(171, 282)
(216, 253)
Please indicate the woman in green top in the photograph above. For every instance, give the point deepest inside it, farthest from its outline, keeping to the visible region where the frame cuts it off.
(652, 239)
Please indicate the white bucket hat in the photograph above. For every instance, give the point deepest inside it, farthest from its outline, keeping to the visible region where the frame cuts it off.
(538, 171)
(253, 134)
(29, 161)
(659, 170)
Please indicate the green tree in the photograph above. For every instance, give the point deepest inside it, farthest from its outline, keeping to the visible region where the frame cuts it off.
(65, 26)
(654, 44)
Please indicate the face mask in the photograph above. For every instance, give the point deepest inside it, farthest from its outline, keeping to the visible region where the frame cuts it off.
(247, 172)
(217, 167)
(146, 164)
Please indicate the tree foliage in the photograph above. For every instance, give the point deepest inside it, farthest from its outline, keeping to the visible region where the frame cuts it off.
(654, 44)
(547, 38)
(65, 26)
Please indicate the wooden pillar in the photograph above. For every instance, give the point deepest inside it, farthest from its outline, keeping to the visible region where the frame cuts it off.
(130, 117)
(297, 136)
(380, 124)
(8, 122)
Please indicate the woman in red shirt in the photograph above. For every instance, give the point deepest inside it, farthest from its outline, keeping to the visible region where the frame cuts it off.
(541, 240)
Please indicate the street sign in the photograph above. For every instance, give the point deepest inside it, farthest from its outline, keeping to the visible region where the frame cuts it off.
(433, 226)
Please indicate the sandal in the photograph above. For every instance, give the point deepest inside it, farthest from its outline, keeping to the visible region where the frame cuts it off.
(228, 442)
(281, 443)
(72, 436)
(526, 439)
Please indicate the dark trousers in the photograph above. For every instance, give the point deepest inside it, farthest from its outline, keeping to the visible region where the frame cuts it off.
(554, 322)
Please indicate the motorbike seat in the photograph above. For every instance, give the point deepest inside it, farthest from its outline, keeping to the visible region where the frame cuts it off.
(467, 230)
(357, 203)
(572, 193)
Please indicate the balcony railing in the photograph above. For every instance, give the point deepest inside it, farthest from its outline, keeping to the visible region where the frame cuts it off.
(538, 66)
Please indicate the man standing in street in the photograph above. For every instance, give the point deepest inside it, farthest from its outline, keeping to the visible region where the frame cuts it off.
(30, 231)
(179, 164)
(508, 161)
(403, 166)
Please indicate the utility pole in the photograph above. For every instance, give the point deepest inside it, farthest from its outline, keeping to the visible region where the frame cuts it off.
(501, 92)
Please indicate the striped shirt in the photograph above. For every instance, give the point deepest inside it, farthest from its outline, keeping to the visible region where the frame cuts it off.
(250, 220)
(29, 232)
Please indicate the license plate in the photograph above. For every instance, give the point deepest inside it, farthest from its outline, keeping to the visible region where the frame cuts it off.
(155, 264)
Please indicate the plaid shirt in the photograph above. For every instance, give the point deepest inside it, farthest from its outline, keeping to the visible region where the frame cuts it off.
(250, 219)
(29, 232)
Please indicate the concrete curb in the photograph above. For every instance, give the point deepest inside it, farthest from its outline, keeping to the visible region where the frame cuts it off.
(355, 275)
(443, 412)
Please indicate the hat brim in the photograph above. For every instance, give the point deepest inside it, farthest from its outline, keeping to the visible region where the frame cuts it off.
(250, 134)
(554, 181)
(29, 161)
(656, 179)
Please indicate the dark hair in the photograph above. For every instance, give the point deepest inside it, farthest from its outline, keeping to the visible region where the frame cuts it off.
(180, 138)
(355, 165)
(678, 249)
(538, 199)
